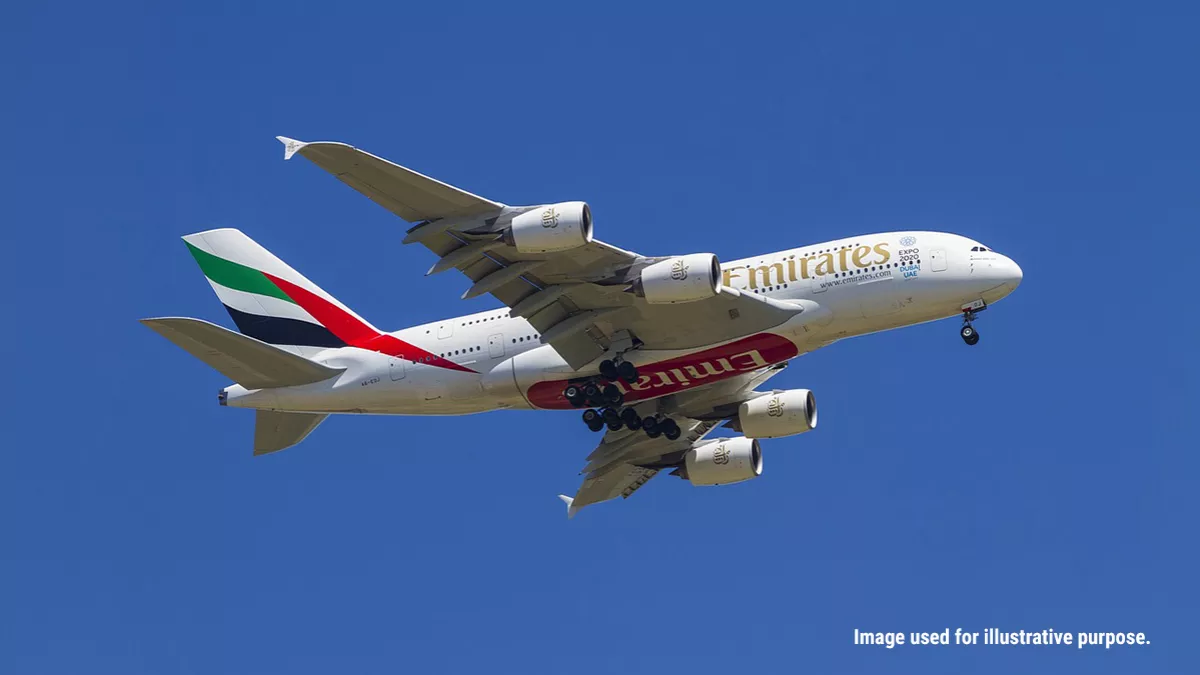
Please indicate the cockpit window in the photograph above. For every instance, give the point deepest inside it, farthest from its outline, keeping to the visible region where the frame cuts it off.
(980, 248)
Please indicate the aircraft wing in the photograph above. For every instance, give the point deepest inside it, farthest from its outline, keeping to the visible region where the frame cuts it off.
(402, 191)
(626, 460)
(576, 299)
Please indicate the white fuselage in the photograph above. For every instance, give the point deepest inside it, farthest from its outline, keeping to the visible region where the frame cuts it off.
(862, 284)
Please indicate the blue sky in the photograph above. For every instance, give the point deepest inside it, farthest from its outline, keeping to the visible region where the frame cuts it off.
(1045, 478)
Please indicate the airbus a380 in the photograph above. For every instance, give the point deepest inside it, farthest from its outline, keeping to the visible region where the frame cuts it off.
(657, 352)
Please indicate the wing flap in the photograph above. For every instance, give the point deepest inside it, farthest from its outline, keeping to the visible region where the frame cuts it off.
(251, 363)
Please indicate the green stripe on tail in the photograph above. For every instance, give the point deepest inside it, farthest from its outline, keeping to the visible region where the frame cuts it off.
(235, 276)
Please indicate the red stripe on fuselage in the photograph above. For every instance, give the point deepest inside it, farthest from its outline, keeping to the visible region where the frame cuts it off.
(684, 372)
(356, 333)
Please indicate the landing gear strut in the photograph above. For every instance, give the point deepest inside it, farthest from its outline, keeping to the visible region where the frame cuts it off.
(968, 332)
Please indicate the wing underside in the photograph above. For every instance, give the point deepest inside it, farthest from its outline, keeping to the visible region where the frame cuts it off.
(626, 460)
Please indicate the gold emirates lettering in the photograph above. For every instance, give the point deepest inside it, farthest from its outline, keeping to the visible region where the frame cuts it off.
(844, 259)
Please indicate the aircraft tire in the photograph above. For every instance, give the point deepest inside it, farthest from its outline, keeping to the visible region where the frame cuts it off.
(631, 419)
(650, 426)
(671, 430)
(608, 370)
(627, 371)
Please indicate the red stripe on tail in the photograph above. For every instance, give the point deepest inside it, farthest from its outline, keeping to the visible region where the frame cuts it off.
(354, 332)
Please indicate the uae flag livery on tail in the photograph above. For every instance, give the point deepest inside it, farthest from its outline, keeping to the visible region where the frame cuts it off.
(272, 302)
(240, 272)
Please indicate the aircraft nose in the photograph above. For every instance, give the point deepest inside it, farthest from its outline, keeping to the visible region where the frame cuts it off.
(1013, 273)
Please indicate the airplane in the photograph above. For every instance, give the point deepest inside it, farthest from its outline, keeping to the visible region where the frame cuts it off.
(657, 352)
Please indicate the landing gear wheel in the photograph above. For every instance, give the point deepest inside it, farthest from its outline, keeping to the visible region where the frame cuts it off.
(611, 418)
(574, 395)
(612, 395)
(591, 394)
(631, 419)
(608, 370)
(593, 420)
(670, 429)
(969, 334)
(626, 371)
(650, 426)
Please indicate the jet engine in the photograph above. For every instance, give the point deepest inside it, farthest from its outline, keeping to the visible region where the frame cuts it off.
(551, 228)
(685, 278)
(722, 461)
(786, 413)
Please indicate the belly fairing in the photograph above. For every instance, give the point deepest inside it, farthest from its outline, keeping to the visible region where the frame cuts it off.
(660, 373)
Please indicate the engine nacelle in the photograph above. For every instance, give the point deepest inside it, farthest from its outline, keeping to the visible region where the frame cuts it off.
(551, 228)
(685, 278)
(787, 413)
(725, 461)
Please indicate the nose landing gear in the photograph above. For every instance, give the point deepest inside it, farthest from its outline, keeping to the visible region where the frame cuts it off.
(968, 332)
(970, 313)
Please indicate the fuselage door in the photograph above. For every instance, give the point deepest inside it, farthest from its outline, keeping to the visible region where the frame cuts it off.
(397, 367)
(496, 345)
(937, 260)
(445, 330)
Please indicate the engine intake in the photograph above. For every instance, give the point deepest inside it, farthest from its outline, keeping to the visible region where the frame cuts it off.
(685, 278)
(786, 413)
(551, 228)
(723, 461)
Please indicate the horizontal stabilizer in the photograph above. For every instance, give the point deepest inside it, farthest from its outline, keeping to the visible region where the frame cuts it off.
(274, 431)
(251, 363)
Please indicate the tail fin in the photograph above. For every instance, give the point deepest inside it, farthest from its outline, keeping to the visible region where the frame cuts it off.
(274, 303)
(269, 300)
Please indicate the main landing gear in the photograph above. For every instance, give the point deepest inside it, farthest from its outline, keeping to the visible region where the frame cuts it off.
(661, 426)
(604, 402)
(616, 419)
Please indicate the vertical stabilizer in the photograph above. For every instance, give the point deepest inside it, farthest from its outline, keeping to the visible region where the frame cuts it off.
(267, 299)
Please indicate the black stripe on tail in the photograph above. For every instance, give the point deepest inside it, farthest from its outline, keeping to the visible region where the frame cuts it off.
(283, 331)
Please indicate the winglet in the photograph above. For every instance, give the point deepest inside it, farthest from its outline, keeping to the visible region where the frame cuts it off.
(290, 146)
(571, 510)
